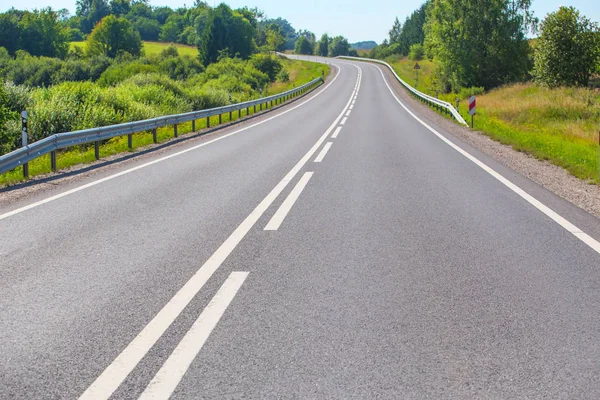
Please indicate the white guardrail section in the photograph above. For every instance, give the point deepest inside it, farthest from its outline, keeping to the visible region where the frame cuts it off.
(58, 141)
(432, 101)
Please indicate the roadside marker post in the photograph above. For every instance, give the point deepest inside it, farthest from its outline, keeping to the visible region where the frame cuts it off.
(472, 109)
(417, 67)
(24, 140)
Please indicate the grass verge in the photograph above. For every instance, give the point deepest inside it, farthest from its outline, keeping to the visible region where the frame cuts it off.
(558, 125)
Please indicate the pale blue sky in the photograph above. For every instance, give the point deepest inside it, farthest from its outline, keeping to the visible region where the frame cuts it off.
(356, 19)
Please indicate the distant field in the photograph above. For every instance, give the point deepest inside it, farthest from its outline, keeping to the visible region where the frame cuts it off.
(153, 48)
(558, 125)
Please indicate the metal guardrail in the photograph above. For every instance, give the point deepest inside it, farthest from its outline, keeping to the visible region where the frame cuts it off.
(442, 105)
(59, 141)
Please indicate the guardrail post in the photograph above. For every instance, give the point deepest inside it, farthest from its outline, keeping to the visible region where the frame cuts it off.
(230, 116)
(220, 119)
(130, 141)
(175, 130)
(97, 150)
(208, 122)
(255, 109)
(154, 135)
(193, 125)
(53, 161)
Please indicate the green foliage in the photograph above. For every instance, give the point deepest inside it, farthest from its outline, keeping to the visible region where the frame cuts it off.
(38, 32)
(149, 29)
(567, 53)
(113, 35)
(338, 46)
(9, 32)
(303, 46)
(287, 30)
(172, 29)
(475, 48)
(118, 72)
(90, 12)
(323, 46)
(7, 141)
(283, 76)
(226, 31)
(417, 52)
(275, 41)
(267, 64)
(412, 31)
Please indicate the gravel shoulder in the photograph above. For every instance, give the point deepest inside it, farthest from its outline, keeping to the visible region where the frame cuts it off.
(551, 177)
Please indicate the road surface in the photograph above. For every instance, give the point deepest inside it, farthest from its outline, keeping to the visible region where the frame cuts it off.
(342, 246)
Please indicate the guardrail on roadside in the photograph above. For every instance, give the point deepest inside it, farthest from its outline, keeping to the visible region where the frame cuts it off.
(57, 141)
(432, 101)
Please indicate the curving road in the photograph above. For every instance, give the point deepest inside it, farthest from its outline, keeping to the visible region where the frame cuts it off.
(343, 246)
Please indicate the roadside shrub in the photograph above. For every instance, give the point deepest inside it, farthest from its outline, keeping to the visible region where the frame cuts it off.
(472, 91)
(417, 52)
(267, 64)
(181, 68)
(118, 72)
(283, 76)
(18, 97)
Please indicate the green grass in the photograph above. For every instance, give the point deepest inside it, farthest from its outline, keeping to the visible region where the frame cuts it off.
(558, 125)
(154, 48)
(300, 72)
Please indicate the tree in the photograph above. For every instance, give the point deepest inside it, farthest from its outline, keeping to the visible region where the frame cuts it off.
(226, 33)
(395, 31)
(412, 31)
(42, 34)
(172, 29)
(90, 12)
(567, 51)
(417, 52)
(478, 43)
(274, 38)
(9, 32)
(120, 7)
(303, 46)
(149, 29)
(323, 46)
(113, 35)
(339, 46)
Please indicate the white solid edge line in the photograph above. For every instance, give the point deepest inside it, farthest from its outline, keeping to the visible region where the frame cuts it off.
(127, 171)
(288, 203)
(578, 233)
(344, 121)
(337, 132)
(170, 374)
(323, 152)
(115, 373)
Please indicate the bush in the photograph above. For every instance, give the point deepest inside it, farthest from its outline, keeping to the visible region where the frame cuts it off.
(417, 52)
(7, 138)
(267, 64)
(283, 76)
(118, 72)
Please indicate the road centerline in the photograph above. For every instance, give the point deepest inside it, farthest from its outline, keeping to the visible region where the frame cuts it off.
(170, 374)
(116, 372)
(288, 203)
(323, 152)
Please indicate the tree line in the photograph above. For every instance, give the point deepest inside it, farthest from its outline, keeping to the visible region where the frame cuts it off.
(487, 44)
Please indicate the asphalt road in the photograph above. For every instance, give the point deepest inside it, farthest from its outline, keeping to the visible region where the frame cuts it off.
(272, 260)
